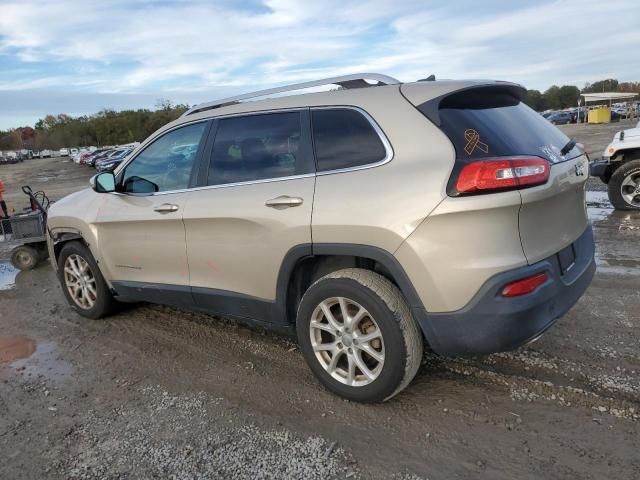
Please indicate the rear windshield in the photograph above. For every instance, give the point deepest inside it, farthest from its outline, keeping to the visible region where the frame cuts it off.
(487, 123)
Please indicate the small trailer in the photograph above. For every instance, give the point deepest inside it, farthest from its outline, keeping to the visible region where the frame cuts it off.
(26, 232)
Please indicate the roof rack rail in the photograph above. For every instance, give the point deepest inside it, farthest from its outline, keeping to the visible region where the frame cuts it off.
(356, 80)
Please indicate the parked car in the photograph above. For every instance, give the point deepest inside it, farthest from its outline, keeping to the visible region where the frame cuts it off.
(83, 157)
(111, 161)
(10, 157)
(102, 155)
(559, 118)
(615, 116)
(63, 152)
(619, 168)
(45, 153)
(479, 244)
(90, 160)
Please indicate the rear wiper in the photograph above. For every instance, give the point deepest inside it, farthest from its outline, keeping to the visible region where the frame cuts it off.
(568, 147)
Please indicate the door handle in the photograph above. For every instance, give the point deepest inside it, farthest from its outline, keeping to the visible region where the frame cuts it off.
(166, 208)
(284, 201)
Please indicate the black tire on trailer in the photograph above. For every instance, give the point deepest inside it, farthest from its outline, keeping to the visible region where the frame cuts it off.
(82, 282)
(25, 257)
(624, 186)
(380, 338)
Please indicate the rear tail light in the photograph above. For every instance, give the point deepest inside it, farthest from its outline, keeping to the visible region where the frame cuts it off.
(524, 285)
(504, 173)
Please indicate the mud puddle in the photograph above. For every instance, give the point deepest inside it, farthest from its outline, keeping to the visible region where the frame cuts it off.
(15, 348)
(8, 275)
(32, 359)
(598, 205)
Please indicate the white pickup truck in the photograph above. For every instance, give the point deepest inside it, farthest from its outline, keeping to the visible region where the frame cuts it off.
(620, 169)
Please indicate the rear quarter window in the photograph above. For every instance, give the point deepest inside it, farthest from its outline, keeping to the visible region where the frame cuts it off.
(483, 123)
(344, 138)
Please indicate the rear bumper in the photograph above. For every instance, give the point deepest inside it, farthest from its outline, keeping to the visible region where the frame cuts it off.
(491, 323)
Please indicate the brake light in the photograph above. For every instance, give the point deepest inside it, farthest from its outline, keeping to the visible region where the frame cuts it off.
(525, 285)
(502, 173)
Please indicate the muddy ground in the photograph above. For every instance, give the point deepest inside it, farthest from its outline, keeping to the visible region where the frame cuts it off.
(155, 392)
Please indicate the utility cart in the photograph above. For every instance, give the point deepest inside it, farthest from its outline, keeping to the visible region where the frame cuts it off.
(26, 232)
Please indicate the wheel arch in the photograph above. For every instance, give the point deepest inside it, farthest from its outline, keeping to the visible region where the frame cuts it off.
(306, 263)
(60, 239)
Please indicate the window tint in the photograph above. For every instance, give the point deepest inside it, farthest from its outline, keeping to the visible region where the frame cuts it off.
(488, 123)
(344, 138)
(166, 163)
(256, 147)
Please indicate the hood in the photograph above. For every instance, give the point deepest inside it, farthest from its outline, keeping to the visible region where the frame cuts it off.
(630, 132)
(75, 204)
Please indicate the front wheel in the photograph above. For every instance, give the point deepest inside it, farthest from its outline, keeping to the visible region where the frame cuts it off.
(358, 336)
(82, 283)
(624, 186)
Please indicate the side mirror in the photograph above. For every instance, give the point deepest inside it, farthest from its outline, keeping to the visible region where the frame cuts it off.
(104, 182)
(139, 185)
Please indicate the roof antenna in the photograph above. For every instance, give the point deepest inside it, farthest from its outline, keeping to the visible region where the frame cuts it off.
(430, 78)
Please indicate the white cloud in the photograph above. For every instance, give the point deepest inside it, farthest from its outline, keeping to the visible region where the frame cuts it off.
(142, 46)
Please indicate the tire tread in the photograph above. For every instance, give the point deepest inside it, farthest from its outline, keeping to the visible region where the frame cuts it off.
(393, 298)
(615, 197)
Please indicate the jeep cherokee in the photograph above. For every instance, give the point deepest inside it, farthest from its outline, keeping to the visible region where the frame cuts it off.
(369, 220)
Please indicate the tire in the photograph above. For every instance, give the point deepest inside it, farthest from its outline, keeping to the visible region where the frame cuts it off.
(85, 302)
(25, 257)
(387, 317)
(623, 178)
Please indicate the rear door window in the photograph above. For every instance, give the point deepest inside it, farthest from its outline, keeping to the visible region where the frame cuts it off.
(344, 138)
(257, 147)
(483, 123)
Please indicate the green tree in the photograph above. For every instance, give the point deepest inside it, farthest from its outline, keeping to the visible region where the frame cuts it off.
(568, 96)
(535, 100)
(608, 85)
(552, 97)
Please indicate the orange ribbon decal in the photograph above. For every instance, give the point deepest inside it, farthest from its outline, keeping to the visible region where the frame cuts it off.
(473, 141)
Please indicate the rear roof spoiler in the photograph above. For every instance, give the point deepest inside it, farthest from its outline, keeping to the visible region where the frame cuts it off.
(430, 105)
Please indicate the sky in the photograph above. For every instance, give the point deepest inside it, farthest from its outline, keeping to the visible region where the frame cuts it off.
(78, 57)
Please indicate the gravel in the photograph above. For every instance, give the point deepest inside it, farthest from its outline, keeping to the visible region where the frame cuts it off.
(159, 438)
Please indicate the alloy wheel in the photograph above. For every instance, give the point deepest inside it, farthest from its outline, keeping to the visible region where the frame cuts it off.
(80, 282)
(630, 189)
(347, 341)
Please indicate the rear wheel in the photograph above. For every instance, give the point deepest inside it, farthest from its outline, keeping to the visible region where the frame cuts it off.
(82, 283)
(358, 336)
(25, 257)
(624, 186)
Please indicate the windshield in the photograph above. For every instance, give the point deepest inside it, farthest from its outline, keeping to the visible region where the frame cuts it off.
(490, 123)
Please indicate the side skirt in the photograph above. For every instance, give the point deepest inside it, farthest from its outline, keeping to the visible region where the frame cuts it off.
(248, 310)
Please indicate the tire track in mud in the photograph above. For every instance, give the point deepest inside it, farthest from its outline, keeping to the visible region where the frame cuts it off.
(529, 376)
(207, 349)
(524, 375)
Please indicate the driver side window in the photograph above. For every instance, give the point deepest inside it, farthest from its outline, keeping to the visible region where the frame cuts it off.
(166, 164)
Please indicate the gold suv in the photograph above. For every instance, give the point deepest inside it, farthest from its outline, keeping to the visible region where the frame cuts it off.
(371, 220)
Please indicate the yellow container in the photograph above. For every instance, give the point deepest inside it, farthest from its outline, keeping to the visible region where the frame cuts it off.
(600, 115)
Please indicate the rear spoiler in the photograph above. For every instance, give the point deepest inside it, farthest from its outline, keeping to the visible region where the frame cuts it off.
(430, 107)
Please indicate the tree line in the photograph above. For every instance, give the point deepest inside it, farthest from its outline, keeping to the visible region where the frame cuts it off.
(556, 98)
(109, 127)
